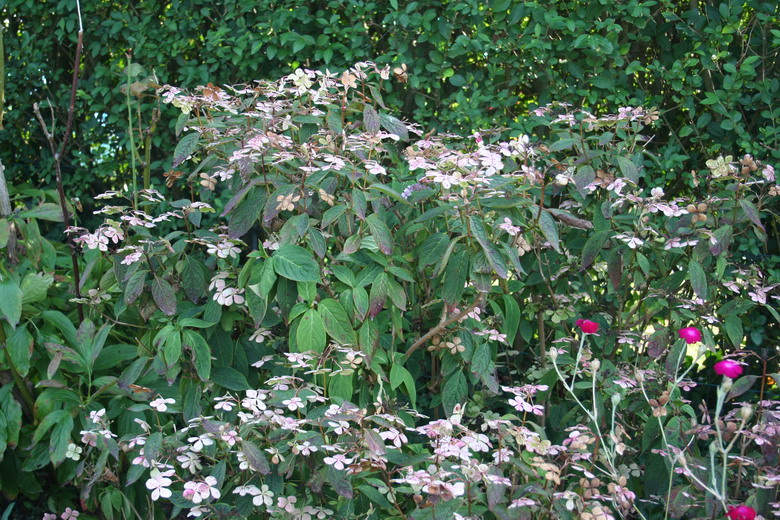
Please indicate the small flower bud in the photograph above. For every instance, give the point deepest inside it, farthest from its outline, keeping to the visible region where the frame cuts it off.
(746, 412)
(615, 399)
(595, 364)
(553, 354)
(713, 447)
(726, 385)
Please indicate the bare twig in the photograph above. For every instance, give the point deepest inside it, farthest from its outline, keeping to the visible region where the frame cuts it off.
(443, 324)
(58, 155)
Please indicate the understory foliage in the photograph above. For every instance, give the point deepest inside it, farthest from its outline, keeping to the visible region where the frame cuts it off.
(343, 314)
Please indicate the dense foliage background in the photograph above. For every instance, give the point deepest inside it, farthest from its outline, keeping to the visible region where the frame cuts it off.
(710, 67)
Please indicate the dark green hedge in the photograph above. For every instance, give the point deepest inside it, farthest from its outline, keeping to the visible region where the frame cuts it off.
(710, 67)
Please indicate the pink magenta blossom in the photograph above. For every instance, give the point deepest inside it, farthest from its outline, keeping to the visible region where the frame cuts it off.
(741, 513)
(728, 368)
(690, 334)
(587, 326)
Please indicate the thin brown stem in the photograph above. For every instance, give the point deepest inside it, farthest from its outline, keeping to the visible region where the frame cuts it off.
(58, 165)
(443, 324)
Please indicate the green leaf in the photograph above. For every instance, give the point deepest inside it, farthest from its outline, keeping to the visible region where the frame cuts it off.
(340, 385)
(63, 323)
(255, 458)
(246, 214)
(336, 320)
(310, 334)
(562, 144)
(153, 446)
(457, 80)
(229, 378)
(394, 126)
(722, 238)
(742, 385)
(550, 230)
(185, 147)
(135, 286)
(511, 318)
(5, 232)
(296, 263)
(593, 247)
(481, 360)
(455, 276)
(46, 211)
(378, 295)
(628, 168)
(201, 353)
(698, 279)
(492, 254)
(163, 296)
(35, 286)
(734, 329)
(374, 496)
(60, 438)
(10, 301)
(397, 294)
(454, 392)
(331, 215)
(751, 212)
(370, 119)
(47, 423)
(390, 192)
(257, 304)
(360, 300)
(381, 233)
(432, 249)
(19, 347)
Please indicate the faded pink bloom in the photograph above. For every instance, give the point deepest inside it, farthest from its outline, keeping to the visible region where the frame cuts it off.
(690, 334)
(741, 513)
(728, 368)
(587, 326)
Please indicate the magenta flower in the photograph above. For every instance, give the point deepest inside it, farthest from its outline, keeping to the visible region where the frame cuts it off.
(741, 512)
(690, 334)
(587, 326)
(728, 368)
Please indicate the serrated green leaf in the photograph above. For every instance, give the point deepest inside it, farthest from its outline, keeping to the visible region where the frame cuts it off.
(455, 391)
(593, 247)
(10, 301)
(698, 279)
(550, 230)
(381, 233)
(310, 334)
(734, 330)
(370, 119)
(164, 296)
(296, 263)
(185, 147)
(201, 353)
(336, 321)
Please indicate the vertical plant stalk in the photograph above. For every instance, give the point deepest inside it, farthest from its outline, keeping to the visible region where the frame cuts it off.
(2, 77)
(5, 212)
(130, 132)
(59, 154)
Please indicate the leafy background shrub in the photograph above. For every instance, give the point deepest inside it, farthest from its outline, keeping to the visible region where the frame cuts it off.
(273, 252)
(325, 273)
(709, 67)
